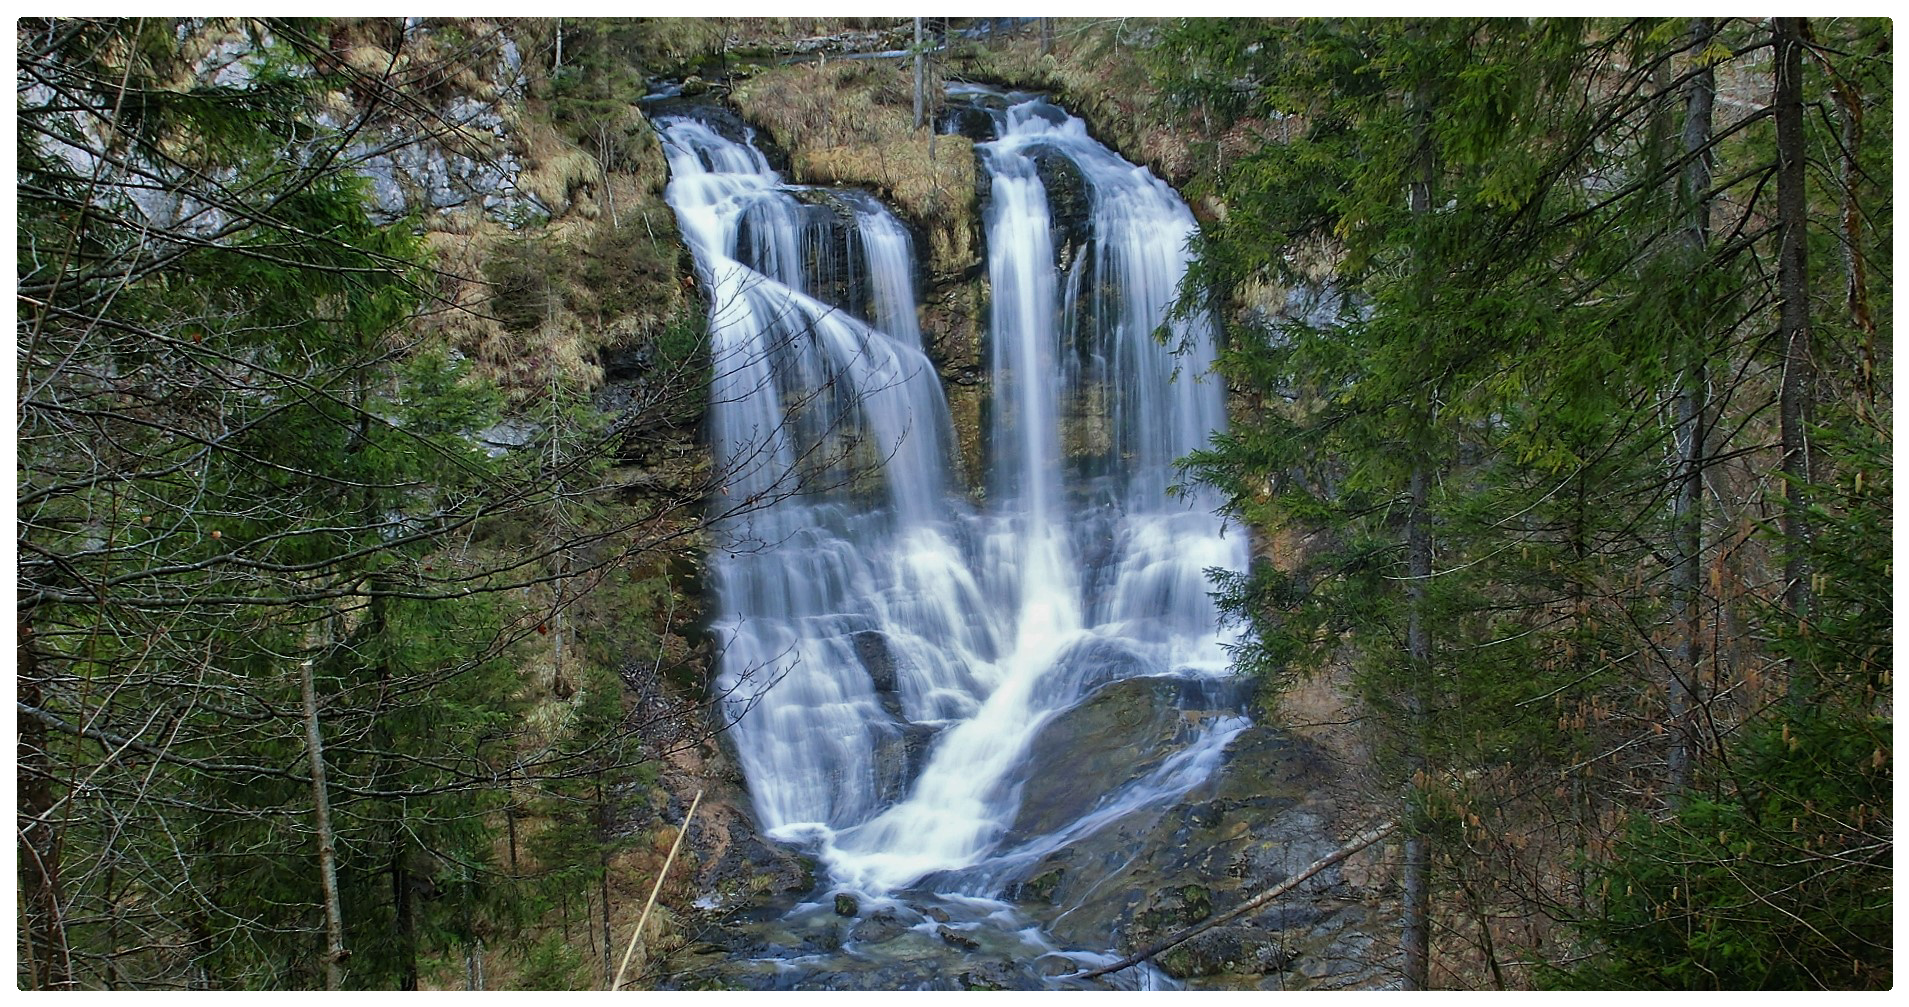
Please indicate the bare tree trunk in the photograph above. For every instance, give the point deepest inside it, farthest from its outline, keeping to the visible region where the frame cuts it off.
(321, 813)
(1797, 395)
(605, 157)
(604, 832)
(406, 923)
(510, 811)
(1415, 882)
(1849, 108)
(1686, 603)
(921, 77)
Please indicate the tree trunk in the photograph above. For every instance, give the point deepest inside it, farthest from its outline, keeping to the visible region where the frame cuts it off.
(321, 817)
(1415, 882)
(921, 77)
(1797, 396)
(1686, 604)
(48, 961)
(1416, 894)
(604, 834)
(405, 926)
(1849, 108)
(510, 812)
(603, 896)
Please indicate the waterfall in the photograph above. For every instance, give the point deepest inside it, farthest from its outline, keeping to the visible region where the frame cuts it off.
(890, 650)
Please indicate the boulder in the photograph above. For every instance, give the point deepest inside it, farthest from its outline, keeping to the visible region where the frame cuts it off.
(882, 926)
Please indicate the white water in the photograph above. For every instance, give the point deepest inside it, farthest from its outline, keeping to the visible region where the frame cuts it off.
(847, 546)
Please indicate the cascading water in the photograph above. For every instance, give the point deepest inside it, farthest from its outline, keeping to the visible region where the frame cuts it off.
(890, 652)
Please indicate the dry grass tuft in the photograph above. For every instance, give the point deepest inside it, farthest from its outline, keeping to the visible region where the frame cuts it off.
(555, 170)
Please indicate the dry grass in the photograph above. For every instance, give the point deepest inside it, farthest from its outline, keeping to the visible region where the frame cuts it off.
(852, 123)
(555, 170)
(929, 179)
(1095, 68)
(609, 254)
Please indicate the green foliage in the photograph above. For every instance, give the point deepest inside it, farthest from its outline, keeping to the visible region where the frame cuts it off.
(1780, 876)
(614, 271)
(1489, 210)
(525, 281)
(605, 69)
(237, 460)
(1783, 883)
(553, 964)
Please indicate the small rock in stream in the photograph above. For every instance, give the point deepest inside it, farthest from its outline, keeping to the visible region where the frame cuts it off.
(879, 928)
(957, 939)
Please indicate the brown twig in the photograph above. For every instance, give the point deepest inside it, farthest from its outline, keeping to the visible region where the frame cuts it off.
(637, 934)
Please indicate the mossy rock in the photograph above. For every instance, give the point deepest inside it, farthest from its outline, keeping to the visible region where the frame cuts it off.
(1039, 888)
(1235, 950)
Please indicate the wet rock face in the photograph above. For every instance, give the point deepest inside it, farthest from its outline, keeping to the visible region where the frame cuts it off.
(1069, 206)
(900, 756)
(881, 926)
(829, 245)
(971, 121)
(897, 946)
(1266, 816)
(902, 751)
(1135, 718)
(871, 648)
(754, 865)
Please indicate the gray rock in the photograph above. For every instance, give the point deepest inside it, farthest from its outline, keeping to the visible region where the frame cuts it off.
(871, 648)
(956, 938)
(510, 434)
(883, 926)
(1114, 737)
(900, 755)
(989, 976)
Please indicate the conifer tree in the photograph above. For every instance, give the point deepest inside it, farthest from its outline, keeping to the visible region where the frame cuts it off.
(1488, 379)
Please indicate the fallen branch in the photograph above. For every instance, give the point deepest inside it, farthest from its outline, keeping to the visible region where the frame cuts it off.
(637, 934)
(1361, 842)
